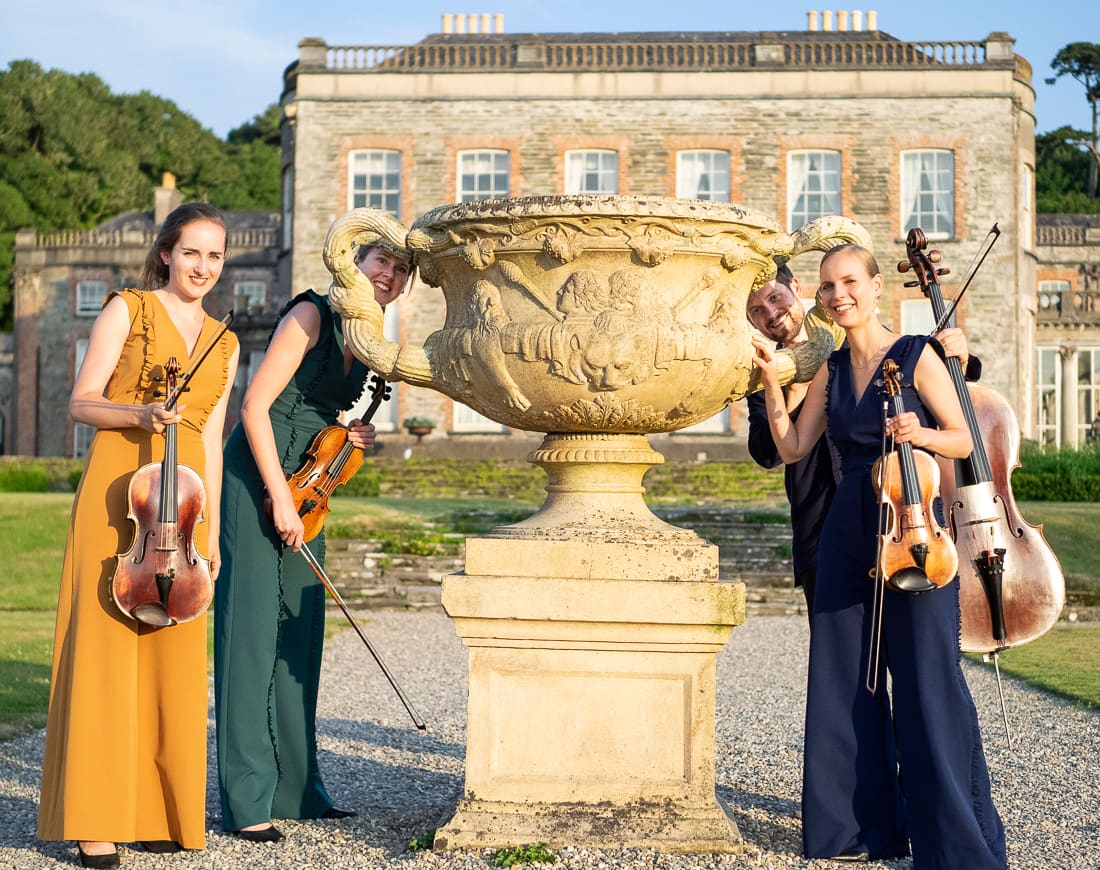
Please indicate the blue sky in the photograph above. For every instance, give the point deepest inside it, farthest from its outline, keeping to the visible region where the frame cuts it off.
(221, 61)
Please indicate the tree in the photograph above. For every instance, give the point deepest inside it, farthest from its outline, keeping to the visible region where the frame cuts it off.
(73, 155)
(1061, 174)
(1081, 60)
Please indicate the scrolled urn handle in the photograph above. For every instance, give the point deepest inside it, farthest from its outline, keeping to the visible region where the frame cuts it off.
(823, 336)
(352, 295)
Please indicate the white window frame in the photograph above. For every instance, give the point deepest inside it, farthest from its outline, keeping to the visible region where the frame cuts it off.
(82, 432)
(374, 179)
(813, 185)
(1088, 390)
(1048, 387)
(483, 174)
(255, 292)
(928, 192)
(89, 297)
(593, 170)
(703, 173)
(466, 419)
(917, 317)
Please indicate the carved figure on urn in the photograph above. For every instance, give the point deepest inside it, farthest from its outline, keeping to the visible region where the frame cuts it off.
(585, 314)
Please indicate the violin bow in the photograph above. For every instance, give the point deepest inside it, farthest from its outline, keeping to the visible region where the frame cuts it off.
(975, 264)
(874, 646)
(331, 589)
(181, 387)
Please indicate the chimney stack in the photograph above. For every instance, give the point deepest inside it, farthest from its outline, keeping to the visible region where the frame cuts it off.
(165, 198)
(844, 20)
(473, 22)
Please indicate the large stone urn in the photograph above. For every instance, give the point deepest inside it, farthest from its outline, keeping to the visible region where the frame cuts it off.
(593, 626)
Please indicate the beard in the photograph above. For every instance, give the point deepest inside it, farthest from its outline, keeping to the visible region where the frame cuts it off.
(788, 328)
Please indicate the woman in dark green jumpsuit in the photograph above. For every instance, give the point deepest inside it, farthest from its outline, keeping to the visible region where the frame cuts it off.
(269, 607)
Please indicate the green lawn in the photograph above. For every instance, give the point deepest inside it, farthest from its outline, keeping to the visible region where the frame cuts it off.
(33, 538)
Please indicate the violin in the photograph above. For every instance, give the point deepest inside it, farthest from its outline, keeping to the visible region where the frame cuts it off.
(1011, 586)
(331, 461)
(915, 554)
(162, 579)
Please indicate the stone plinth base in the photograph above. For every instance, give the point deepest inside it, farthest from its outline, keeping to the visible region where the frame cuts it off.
(591, 710)
(643, 825)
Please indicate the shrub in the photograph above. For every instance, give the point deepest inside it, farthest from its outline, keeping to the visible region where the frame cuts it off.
(39, 474)
(1057, 475)
(366, 483)
(24, 478)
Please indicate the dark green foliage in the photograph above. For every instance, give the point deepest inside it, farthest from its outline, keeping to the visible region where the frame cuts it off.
(1081, 61)
(73, 155)
(24, 478)
(536, 853)
(1062, 174)
(367, 483)
(20, 474)
(425, 841)
(1058, 475)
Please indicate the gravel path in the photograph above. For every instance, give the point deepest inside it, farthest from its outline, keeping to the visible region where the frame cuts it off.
(402, 783)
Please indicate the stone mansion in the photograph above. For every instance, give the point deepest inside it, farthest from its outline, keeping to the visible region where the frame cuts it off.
(838, 118)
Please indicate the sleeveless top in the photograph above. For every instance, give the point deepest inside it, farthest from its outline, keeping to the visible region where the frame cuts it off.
(313, 399)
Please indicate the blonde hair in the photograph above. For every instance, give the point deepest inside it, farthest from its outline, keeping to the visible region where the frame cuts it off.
(865, 257)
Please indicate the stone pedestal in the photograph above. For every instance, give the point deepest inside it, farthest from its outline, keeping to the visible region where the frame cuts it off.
(593, 629)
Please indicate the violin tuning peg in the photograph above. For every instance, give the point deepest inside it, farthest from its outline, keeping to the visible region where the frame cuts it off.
(157, 394)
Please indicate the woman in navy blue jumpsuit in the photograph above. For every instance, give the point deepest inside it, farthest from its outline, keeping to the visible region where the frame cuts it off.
(882, 773)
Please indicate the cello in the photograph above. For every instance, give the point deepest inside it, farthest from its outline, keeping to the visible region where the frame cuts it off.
(1011, 587)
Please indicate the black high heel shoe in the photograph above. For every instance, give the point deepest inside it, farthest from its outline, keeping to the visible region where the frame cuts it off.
(98, 861)
(270, 834)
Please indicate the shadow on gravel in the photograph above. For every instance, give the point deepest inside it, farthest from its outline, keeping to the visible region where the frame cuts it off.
(767, 833)
(387, 737)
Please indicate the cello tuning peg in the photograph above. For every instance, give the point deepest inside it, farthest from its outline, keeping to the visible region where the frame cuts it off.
(911, 284)
(157, 394)
(943, 271)
(934, 256)
(903, 266)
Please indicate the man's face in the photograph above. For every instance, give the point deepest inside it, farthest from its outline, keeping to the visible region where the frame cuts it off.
(776, 310)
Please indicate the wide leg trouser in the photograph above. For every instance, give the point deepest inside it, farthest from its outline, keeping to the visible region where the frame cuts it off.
(268, 642)
(874, 777)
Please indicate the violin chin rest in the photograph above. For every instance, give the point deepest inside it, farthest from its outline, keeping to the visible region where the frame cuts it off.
(912, 580)
(152, 613)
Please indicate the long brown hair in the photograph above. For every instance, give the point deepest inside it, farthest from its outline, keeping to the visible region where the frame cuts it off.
(155, 272)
